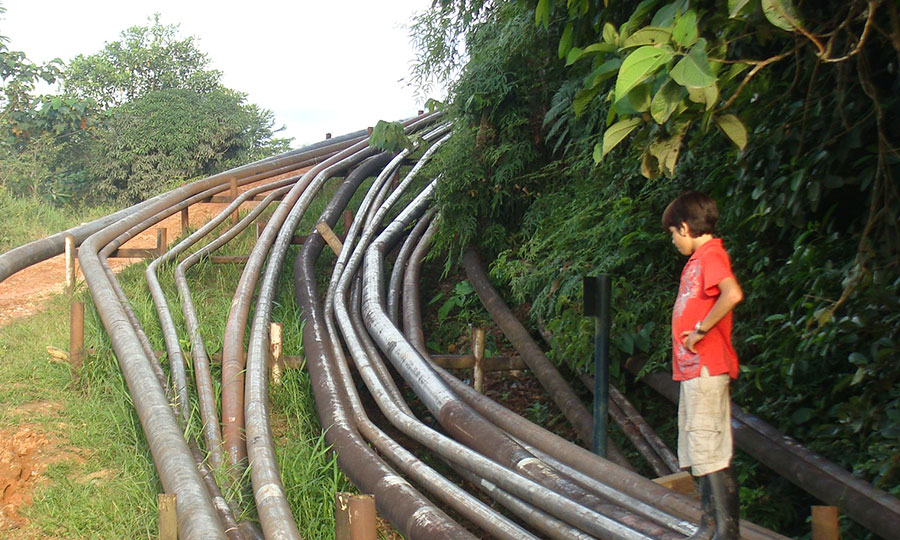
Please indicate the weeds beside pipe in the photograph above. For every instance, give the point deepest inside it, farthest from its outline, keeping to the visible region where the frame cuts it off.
(561, 393)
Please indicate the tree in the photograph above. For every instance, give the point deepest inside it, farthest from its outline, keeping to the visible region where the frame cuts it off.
(146, 59)
(166, 137)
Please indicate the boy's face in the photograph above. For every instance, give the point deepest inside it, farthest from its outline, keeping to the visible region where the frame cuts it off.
(682, 240)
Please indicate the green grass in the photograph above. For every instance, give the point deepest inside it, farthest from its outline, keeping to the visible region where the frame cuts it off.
(102, 482)
(30, 218)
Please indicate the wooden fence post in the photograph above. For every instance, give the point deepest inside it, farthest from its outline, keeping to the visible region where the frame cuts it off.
(825, 524)
(276, 348)
(185, 220)
(478, 353)
(168, 516)
(354, 517)
(76, 335)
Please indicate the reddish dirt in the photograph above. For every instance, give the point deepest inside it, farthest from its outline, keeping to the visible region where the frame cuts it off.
(25, 293)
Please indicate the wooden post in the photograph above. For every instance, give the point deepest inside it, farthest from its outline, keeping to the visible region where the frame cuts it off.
(261, 226)
(168, 516)
(76, 335)
(162, 241)
(185, 220)
(478, 353)
(234, 196)
(70, 264)
(348, 220)
(276, 348)
(354, 517)
(333, 242)
(825, 525)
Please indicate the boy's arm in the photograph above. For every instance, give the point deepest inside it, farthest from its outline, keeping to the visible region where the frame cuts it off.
(730, 295)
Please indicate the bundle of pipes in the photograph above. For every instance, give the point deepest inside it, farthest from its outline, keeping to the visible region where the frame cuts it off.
(555, 488)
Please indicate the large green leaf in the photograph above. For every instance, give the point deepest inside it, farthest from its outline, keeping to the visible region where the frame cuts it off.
(685, 32)
(610, 34)
(732, 126)
(693, 70)
(638, 65)
(781, 13)
(616, 132)
(649, 35)
(665, 101)
(542, 13)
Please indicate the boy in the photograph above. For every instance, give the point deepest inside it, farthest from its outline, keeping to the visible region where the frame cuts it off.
(704, 360)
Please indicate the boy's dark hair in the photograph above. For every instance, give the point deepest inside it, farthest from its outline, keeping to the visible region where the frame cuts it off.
(696, 209)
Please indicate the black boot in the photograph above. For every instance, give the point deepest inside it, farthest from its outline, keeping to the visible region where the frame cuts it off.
(726, 507)
(707, 521)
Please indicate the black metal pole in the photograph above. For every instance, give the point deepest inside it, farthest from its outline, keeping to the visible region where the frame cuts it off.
(603, 291)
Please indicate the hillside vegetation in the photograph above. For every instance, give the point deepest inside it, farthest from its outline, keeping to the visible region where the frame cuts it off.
(577, 122)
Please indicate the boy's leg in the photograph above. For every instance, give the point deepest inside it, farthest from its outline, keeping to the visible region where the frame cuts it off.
(705, 444)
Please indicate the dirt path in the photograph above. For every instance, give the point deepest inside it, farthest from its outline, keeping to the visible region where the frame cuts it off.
(25, 292)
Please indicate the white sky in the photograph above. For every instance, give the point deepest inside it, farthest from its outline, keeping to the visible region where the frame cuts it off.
(319, 66)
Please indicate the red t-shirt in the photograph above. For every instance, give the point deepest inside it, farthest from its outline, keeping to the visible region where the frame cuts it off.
(698, 291)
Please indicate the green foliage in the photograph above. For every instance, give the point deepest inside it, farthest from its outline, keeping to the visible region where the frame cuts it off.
(167, 137)
(389, 136)
(808, 207)
(146, 59)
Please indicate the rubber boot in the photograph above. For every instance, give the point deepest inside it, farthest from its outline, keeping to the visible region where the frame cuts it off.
(726, 507)
(708, 521)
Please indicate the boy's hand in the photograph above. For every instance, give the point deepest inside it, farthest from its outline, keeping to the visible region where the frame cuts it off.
(690, 338)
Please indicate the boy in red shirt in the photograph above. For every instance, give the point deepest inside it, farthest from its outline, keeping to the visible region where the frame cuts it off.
(704, 360)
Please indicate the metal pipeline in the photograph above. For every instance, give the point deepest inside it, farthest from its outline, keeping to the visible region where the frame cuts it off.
(233, 360)
(271, 502)
(412, 240)
(396, 500)
(206, 397)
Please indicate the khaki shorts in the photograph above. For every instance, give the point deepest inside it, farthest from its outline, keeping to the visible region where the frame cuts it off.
(704, 424)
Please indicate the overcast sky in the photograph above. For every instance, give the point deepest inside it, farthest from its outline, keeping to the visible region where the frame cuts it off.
(319, 66)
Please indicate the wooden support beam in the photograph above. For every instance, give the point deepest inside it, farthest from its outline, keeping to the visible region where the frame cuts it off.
(333, 241)
(144, 253)
(168, 516)
(825, 523)
(495, 363)
(682, 482)
(354, 517)
(185, 220)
